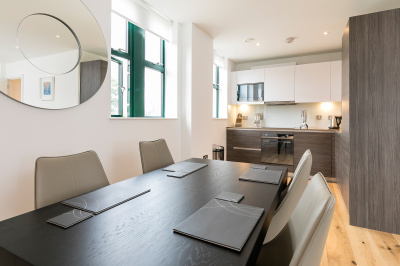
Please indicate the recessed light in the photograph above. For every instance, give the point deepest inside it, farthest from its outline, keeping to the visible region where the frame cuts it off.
(249, 40)
(290, 39)
(258, 44)
(326, 33)
(58, 36)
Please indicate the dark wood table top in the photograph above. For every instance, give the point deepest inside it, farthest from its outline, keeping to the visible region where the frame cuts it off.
(139, 232)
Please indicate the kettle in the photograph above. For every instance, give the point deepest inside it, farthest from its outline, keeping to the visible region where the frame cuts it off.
(335, 121)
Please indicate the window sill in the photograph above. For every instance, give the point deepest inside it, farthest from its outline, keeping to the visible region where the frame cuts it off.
(142, 118)
(220, 118)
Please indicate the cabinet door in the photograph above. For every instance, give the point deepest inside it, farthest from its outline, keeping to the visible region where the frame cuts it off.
(320, 145)
(243, 145)
(250, 76)
(279, 84)
(313, 83)
(336, 81)
(233, 89)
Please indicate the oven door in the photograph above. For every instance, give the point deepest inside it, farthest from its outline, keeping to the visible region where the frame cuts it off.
(277, 150)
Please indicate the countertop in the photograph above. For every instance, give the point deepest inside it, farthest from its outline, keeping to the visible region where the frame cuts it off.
(311, 130)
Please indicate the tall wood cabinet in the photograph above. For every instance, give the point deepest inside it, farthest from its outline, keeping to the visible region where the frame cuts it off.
(371, 64)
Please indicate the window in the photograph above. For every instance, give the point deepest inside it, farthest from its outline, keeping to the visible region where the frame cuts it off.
(137, 71)
(215, 91)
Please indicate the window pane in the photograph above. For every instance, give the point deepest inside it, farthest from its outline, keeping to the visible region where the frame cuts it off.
(118, 32)
(115, 80)
(214, 103)
(120, 87)
(153, 48)
(152, 92)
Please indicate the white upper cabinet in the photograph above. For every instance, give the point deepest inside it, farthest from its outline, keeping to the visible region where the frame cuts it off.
(250, 76)
(279, 83)
(313, 83)
(336, 81)
(232, 97)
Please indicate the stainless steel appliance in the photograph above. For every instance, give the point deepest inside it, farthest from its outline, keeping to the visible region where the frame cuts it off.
(304, 119)
(335, 122)
(277, 148)
(251, 92)
(257, 119)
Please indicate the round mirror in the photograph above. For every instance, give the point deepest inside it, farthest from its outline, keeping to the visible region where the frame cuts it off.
(53, 54)
(41, 35)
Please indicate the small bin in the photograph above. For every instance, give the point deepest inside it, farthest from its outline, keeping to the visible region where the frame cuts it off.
(218, 152)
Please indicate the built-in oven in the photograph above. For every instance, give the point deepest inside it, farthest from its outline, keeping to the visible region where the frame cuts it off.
(277, 148)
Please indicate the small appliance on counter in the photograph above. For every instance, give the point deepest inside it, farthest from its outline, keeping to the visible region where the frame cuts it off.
(335, 122)
(239, 120)
(257, 119)
(304, 119)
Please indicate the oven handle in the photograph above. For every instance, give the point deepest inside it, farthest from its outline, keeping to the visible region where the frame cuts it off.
(246, 149)
(289, 138)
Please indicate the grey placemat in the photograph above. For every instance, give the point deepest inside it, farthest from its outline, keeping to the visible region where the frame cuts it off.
(69, 219)
(259, 166)
(105, 198)
(263, 176)
(230, 196)
(185, 167)
(223, 223)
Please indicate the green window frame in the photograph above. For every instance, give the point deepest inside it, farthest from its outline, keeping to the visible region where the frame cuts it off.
(138, 63)
(216, 87)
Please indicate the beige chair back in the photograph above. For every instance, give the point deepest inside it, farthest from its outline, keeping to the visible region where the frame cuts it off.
(155, 155)
(295, 190)
(61, 178)
(303, 240)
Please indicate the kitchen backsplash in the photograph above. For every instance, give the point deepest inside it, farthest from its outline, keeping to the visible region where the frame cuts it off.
(286, 116)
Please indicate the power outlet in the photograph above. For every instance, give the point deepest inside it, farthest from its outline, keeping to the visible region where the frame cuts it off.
(330, 117)
(319, 117)
(205, 156)
(245, 117)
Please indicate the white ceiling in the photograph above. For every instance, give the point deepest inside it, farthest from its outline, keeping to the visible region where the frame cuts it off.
(270, 22)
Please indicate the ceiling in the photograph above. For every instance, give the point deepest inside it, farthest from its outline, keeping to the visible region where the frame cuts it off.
(270, 22)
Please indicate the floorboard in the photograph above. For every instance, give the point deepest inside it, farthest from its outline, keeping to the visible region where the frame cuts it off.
(350, 245)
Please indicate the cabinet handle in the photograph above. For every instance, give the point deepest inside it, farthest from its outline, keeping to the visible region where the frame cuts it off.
(246, 149)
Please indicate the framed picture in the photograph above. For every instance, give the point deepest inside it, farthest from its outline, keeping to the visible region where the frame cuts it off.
(47, 89)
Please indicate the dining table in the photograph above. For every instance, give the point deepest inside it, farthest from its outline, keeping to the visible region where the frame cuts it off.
(140, 231)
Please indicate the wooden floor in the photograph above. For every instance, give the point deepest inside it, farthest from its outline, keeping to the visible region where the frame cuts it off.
(350, 245)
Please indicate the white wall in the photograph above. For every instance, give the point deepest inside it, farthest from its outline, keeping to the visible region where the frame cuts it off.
(289, 116)
(3, 81)
(66, 87)
(27, 133)
(197, 121)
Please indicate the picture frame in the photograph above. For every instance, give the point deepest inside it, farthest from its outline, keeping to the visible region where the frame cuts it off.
(47, 89)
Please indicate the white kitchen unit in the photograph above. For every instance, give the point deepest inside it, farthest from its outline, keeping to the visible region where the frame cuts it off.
(336, 81)
(250, 76)
(232, 97)
(313, 83)
(279, 84)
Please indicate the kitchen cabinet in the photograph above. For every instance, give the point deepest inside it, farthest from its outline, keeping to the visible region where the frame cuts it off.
(313, 83)
(232, 98)
(250, 76)
(320, 145)
(336, 81)
(279, 84)
(243, 145)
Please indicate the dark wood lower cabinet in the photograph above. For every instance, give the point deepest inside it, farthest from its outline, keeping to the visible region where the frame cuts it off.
(320, 145)
(244, 145)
